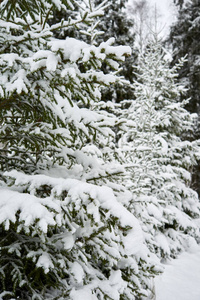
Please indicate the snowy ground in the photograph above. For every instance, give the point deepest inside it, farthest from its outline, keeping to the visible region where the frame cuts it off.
(181, 278)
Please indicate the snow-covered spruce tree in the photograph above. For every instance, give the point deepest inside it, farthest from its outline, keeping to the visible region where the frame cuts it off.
(61, 235)
(159, 161)
(114, 23)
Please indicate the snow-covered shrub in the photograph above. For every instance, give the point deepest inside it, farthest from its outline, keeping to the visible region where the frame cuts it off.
(61, 237)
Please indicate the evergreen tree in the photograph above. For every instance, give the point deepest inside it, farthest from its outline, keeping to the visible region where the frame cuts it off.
(179, 2)
(116, 23)
(64, 232)
(158, 159)
(185, 35)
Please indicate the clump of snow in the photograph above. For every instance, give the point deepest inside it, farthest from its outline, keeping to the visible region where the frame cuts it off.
(83, 294)
(68, 240)
(31, 209)
(45, 262)
(78, 272)
(116, 281)
(72, 48)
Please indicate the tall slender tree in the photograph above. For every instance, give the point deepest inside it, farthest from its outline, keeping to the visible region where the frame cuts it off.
(158, 159)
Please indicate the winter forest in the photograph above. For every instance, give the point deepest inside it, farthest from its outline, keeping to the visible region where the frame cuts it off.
(99, 147)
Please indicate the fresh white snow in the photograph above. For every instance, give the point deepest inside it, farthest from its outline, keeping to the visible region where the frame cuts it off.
(181, 278)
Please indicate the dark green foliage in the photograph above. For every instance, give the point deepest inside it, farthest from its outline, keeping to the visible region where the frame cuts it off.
(33, 8)
(19, 274)
(185, 37)
(116, 23)
(179, 2)
(65, 14)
